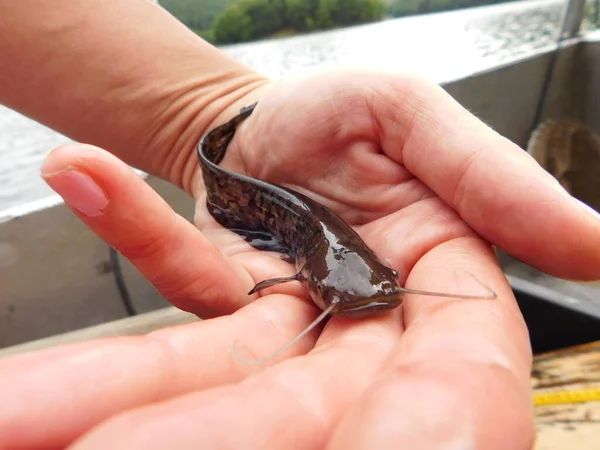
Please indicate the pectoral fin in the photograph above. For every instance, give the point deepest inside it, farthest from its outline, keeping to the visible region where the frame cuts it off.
(273, 281)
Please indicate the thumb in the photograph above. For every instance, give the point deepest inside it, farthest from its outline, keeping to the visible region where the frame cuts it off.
(123, 210)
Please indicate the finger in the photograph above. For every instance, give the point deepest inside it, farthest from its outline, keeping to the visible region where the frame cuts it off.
(291, 405)
(495, 186)
(459, 377)
(51, 397)
(181, 263)
(404, 237)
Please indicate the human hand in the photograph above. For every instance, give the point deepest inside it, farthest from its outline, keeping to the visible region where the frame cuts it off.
(421, 179)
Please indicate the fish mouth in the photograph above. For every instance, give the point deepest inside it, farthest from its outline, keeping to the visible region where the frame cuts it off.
(370, 308)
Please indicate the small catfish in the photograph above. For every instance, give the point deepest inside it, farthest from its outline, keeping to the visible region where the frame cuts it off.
(343, 275)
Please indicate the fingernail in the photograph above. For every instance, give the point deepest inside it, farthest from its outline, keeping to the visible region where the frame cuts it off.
(589, 209)
(79, 191)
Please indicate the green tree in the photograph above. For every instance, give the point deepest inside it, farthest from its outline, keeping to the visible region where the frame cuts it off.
(357, 11)
(297, 13)
(257, 19)
(234, 25)
(196, 14)
(268, 16)
(254, 19)
(326, 9)
(400, 8)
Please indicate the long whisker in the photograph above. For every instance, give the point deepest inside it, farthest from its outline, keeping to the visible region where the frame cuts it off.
(491, 296)
(282, 349)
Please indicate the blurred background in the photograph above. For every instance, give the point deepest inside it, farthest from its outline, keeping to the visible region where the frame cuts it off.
(443, 39)
(530, 69)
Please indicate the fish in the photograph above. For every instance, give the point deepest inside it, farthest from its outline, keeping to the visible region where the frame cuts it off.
(343, 275)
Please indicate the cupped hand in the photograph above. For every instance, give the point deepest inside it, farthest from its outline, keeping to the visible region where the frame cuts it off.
(424, 182)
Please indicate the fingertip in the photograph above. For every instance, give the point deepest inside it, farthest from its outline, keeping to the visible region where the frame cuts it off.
(64, 156)
(88, 178)
(79, 191)
(130, 216)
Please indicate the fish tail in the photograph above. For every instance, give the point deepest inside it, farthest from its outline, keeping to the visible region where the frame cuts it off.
(214, 145)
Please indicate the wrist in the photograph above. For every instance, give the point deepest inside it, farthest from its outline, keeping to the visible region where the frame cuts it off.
(124, 76)
(171, 152)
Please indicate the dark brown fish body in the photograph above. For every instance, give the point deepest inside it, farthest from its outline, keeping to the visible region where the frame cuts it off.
(330, 257)
(344, 276)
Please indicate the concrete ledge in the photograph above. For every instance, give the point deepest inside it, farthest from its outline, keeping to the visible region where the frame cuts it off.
(56, 274)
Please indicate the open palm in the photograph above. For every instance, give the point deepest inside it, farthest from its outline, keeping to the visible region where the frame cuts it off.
(426, 185)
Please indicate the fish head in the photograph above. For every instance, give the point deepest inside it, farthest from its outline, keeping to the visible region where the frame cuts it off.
(361, 285)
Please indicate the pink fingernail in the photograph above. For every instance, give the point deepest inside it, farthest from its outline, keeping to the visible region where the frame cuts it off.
(79, 191)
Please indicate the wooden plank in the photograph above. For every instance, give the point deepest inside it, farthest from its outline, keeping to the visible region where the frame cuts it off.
(568, 425)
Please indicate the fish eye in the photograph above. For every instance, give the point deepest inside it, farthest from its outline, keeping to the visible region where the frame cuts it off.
(395, 273)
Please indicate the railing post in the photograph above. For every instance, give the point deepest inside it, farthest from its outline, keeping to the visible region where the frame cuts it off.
(572, 19)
